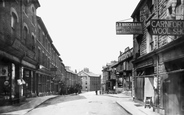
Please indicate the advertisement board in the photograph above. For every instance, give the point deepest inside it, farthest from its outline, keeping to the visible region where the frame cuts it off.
(167, 27)
(129, 28)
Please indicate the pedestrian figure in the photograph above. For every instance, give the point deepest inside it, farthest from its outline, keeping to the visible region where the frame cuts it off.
(96, 92)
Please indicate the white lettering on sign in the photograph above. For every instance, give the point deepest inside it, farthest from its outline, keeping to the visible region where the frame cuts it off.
(167, 27)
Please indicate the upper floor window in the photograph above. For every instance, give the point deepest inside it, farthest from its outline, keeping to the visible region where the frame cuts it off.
(150, 4)
(150, 42)
(180, 10)
(2, 3)
(33, 42)
(39, 55)
(25, 34)
(33, 15)
(43, 39)
(13, 20)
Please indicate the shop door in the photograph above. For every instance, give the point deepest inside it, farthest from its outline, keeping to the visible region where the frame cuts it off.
(140, 88)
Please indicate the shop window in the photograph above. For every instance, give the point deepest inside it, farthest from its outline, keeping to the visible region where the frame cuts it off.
(149, 71)
(174, 65)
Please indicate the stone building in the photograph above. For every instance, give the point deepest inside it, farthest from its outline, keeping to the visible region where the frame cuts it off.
(124, 70)
(17, 49)
(72, 80)
(49, 62)
(158, 59)
(29, 62)
(109, 77)
(90, 81)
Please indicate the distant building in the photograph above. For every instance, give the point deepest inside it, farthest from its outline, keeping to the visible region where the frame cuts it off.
(109, 76)
(124, 70)
(90, 81)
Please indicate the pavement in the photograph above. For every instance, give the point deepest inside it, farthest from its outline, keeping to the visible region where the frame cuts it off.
(131, 106)
(25, 106)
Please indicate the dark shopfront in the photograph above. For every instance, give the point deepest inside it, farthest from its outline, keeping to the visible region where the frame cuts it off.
(9, 74)
(29, 87)
(172, 84)
(16, 80)
(44, 81)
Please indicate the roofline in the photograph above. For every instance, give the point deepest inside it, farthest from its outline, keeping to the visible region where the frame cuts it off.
(137, 8)
(55, 49)
(88, 74)
(37, 3)
(40, 21)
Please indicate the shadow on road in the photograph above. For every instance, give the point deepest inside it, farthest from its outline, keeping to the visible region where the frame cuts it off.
(60, 99)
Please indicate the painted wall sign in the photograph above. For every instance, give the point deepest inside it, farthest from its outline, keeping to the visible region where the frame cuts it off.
(129, 28)
(167, 27)
(125, 55)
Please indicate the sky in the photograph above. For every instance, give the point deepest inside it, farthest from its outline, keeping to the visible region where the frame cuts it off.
(84, 31)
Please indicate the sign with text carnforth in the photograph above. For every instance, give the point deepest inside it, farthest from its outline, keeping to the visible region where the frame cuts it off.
(167, 27)
(129, 28)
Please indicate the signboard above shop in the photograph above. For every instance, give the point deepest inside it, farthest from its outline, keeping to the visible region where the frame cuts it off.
(167, 27)
(129, 28)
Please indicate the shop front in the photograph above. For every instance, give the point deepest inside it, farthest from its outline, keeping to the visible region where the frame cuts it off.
(144, 80)
(172, 81)
(9, 77)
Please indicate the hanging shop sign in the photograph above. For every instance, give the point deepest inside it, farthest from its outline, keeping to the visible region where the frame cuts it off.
(129, 28)
(167, 27)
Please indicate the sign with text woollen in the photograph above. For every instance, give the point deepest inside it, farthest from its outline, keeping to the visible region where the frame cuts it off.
(167, 27)
(129, 28)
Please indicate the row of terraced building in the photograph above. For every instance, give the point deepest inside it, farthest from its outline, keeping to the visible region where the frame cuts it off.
(30, 64)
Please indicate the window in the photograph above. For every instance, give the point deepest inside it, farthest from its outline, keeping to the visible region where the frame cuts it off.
(43, 40)
(48, 62)
(180, 10)
(2, 3)
(25, 35)
(39, 34)
(150, 4)
(13, 20)
(32, 17)
(42, 59)
(151, 43)
(33, 43)
(39, 55)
